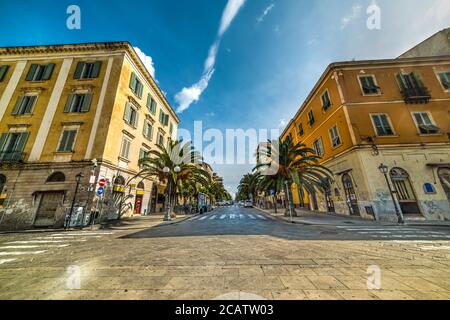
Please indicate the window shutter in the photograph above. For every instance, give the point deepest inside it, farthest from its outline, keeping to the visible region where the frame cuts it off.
(127, 113)
(17, 106)
(154, 106)
(417, 78)
(149, 102)
(3, 138)
(136, 120)
(79, 70)
(3, 71)
(133, 81)
(96, 70)
(140, 90)
(48, 71)
(166, 120)
(31, 72)
(401, 81)
(69, 103)
(21, 142)
(30, 105)
(71, 140)
(63, 143)
(86, 102)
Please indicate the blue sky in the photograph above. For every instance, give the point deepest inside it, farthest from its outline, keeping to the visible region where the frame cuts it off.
(270, 55)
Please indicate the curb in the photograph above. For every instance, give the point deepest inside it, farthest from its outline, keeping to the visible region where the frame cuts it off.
(170, 223)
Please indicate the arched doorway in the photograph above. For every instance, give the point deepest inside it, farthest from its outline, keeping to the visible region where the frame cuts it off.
(139, 198)
(154, 199)
(350, 195)
(405, 191)
(56, 177)
(444, 176)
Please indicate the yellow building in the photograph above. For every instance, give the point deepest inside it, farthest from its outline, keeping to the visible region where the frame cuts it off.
(362, 114)
(68, 109)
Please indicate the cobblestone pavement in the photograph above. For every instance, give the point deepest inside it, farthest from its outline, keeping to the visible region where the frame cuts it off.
(231, 251)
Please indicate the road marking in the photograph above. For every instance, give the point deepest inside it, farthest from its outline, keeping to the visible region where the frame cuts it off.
(261, 217)
(251, 217)
(44, 241)
(213, 217)
(35, 247)
(203, 218)
(241, 216)
(21, 253)
(232, 216)
(3, 261)
(82, 234)
(195, 218)
(223, 216)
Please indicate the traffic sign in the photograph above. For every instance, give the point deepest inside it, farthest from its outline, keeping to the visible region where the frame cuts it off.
(102, 182)
(100, 191)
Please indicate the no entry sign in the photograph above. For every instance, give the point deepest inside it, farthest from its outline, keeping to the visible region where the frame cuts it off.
(102, 182)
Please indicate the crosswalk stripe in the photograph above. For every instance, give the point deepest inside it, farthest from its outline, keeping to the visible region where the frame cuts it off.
(261, 217)
(195, 218)
(3, 261)
(223, 216)
(251, 217)
(241, 216)
(203, 218)
(21, 253)
(213, 217)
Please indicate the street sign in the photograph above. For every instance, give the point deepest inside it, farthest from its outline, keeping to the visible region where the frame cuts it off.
(100, 191)
(92, 179)
(102, 182)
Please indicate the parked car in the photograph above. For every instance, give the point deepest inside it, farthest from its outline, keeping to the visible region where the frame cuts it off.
(248, 204)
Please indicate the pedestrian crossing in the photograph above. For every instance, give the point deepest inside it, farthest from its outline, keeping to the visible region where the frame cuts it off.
(394, 232)
(13, 250)
(228, 216)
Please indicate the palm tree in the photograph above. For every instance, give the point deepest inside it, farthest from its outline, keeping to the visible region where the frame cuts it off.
(297, 164)
(172, 165)
(248, 186)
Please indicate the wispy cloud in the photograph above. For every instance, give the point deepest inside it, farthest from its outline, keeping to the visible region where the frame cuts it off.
(147, 61)
(356, 10)
(192, 94)
(265, 13)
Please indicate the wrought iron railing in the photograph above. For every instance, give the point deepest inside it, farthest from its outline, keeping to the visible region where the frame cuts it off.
(416, 95)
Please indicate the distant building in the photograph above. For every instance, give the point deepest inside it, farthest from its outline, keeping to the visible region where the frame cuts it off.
(361, 114)
(67, 109)
(437, 45)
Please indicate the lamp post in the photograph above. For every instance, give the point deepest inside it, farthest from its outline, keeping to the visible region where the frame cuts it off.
(79, 177)
(167, 171)
(384, 170)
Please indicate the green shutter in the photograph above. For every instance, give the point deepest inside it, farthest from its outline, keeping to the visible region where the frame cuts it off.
(62, 144)
(31, 72)
(78, 71)
(48, 71)
(30, 105)
(3, 71)
(149, 102)
(86, 102)
(136, 120)
(71, 140)
(401, 81)
(21, 142)
(17, 106)
(96, 70)
(69, 103)
(417, 78)
(133, 81)
(3, 139)
(140, 90)
(419, 119)
(166, 120)
(154, 107)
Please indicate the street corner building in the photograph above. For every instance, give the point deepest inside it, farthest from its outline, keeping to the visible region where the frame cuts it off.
(382, 127)
(74, 113)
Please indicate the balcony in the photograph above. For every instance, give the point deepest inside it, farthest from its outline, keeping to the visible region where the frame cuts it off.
(416, 95)
(11, 157)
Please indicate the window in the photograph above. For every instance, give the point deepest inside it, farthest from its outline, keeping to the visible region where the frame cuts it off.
(425, 124)
(39, 72)
(151, 104)
(311, 119)
(12, 145)
(318, 147)
(444, 77)
(87, 70)
(382, 125)
(301, 132)
(326, 102)
(67, 141)
(171, 128)
(160, 139)
(2, 184)
(412, 88)
(78, 103)
(148, 130)
(3, 71)
(136, 85)
(163, 118)
(24, 105)
(335, 138)
(131, 115)
(125, 148)
(369, 85)
(143, 153)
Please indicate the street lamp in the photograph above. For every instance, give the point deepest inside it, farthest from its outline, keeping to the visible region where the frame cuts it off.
(79, 177)
(384, 170)
(166, 170)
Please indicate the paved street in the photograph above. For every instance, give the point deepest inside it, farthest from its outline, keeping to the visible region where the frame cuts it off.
(231, 252)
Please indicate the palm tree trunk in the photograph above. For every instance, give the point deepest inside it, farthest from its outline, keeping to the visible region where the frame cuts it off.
(290, 207)
(275, 203)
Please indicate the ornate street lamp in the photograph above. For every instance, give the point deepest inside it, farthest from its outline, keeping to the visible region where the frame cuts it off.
(384, 170)
(79, 177)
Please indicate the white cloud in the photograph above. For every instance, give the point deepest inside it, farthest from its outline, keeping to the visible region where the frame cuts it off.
(439, 11)
(283, 123)
(190, 95)
(147, 61)
(265, 13)
(356, 10)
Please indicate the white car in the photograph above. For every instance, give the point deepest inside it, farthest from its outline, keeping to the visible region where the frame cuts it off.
(248, 204)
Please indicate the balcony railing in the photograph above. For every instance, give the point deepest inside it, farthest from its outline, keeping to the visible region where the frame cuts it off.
(416, 95)
(11, 156)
